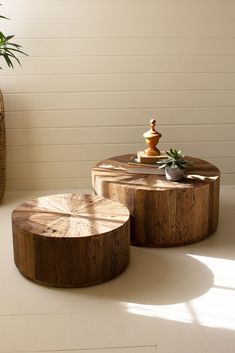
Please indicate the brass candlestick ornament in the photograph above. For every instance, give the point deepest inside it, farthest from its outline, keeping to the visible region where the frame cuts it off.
(152, 138)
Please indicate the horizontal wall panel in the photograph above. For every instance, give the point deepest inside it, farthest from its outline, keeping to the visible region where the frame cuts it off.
(49, 170)
(119, 28)
(119, 82)
(106, 135)
(92, 152)
(120, 64)
(128, 46)
(82, 169)
(225, 165)
(110, 100)
(228, 179)
(121, 117)
(38, 9)
(98, 70)
(49, 184)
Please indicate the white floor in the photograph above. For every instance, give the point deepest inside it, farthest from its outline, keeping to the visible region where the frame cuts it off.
(178, 300)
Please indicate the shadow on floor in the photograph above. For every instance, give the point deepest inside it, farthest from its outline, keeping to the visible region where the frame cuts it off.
(155, 277)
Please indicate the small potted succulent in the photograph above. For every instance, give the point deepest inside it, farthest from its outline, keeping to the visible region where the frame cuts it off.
(174, 165)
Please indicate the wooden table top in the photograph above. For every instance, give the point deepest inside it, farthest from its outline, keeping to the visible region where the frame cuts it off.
(115, 170)
(70, 215)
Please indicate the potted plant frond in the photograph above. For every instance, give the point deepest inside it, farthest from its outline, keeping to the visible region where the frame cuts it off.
(174, 165)
(8, 49)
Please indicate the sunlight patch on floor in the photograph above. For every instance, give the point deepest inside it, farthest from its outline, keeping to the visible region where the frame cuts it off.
(177, 312)
(223, 270)
(213, 309)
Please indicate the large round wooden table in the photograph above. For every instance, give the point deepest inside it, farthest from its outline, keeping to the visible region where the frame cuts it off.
(163, 213)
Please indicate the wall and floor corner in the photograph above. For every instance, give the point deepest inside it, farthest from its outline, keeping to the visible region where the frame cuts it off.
(97, 70)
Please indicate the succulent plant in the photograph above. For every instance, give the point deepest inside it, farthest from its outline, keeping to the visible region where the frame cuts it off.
(174, 160)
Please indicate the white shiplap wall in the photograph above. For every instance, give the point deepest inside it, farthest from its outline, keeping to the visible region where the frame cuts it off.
(99, 69)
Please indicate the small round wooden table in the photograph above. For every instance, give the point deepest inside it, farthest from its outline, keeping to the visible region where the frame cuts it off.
(163, 213)
(70, 240)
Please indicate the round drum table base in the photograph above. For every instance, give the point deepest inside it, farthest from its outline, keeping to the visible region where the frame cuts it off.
(70, 240)
(163, 213)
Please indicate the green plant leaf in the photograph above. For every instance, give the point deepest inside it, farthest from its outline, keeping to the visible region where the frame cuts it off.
(9, 38)
(8, 61)
(8, 50)
(168, 153)
(175, 160)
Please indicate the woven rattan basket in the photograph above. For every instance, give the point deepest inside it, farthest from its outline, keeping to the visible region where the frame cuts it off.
(2, 149)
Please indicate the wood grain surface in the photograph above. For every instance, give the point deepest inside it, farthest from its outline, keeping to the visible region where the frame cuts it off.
(163, 213)
(71, 240)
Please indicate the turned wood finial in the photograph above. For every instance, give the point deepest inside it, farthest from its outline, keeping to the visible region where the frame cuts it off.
(152, 124)
(152, 137)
